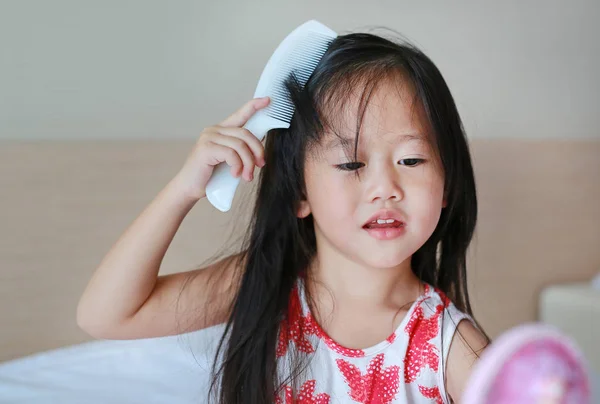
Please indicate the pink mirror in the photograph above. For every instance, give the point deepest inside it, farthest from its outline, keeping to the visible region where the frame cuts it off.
(530, 364)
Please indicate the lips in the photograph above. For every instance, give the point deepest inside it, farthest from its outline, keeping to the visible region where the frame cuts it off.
(391, 217)
(389, 224)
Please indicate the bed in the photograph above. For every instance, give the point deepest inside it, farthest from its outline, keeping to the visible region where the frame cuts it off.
(173, 369)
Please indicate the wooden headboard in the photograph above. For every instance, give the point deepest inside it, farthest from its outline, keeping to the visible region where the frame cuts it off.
(63, 204)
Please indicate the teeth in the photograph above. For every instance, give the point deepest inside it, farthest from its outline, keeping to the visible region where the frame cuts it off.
(382, 221)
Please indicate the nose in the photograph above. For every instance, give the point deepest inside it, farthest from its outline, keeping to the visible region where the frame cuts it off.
(383, 184)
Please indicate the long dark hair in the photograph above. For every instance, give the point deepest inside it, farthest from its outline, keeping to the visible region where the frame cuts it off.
(279, 246)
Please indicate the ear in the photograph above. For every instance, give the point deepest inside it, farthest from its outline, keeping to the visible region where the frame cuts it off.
(303, 209)
(444, 203)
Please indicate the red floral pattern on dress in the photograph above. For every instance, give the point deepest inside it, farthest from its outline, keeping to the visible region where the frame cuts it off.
(432, 393)
(421, 353)
(296, 327)
(349, 352)
(445, 301)
(306, 395)
(378, 385)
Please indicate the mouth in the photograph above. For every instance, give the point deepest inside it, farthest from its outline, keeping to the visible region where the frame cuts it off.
(384, 224)
(388, 231)
(385, 218)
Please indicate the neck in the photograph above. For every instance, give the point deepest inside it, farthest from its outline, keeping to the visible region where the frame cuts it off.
(351, 283)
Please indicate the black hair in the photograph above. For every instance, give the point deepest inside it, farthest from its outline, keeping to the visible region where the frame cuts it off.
(278, 245)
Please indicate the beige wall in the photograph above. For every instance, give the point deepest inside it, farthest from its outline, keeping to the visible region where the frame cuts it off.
(164, 69)
(63, 204)
(539, 224)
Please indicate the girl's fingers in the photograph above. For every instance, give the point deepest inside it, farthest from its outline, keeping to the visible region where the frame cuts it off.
(242, 150)
(229, 156)
(255, 145)
(241, 116)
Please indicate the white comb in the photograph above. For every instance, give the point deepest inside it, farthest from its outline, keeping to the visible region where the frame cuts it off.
(299, 52)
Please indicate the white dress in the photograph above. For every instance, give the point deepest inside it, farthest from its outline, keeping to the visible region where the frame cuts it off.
(408, 367)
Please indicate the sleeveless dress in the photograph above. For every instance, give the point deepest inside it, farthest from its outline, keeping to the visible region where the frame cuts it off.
(408, 367)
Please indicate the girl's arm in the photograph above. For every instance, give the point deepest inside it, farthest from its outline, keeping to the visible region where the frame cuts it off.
(126, 300)
(467, 344)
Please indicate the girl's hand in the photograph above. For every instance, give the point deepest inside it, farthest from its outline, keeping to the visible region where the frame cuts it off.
(226, 142)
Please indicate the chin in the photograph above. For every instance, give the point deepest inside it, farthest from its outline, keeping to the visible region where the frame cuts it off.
(385, 262)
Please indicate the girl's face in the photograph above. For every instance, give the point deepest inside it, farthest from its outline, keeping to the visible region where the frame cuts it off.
(399, 176)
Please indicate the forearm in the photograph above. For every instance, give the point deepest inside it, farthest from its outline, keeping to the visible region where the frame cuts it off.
(127, 275)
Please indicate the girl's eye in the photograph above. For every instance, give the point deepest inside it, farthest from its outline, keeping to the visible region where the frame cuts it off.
(349, 166)
(352, 166)
(410, 162)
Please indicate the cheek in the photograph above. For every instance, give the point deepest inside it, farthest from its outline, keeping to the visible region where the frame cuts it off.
(429, 208)
(331, 198)
(329, 195)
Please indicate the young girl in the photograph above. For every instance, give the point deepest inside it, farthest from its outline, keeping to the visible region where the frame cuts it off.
(351, 284)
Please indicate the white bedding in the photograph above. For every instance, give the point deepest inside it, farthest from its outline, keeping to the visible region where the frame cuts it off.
(159, 370)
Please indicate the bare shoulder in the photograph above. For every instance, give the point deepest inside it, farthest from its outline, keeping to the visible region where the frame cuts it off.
(467, 345)
(187, 301)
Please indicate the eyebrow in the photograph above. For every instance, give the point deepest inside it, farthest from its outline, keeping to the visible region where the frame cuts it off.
(345, 142)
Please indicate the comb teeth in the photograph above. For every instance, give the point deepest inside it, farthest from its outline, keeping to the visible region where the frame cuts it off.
(302, 61)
